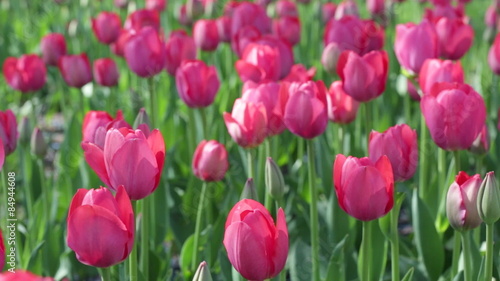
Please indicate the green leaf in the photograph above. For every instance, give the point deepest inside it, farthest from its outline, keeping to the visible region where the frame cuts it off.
(336, 265)
(300, 261)
(409, 275)
(187, 257)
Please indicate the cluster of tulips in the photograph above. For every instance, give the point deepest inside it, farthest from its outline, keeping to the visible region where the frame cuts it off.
(110, 224)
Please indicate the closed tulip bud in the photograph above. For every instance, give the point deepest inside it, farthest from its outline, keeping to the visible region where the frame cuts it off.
(202, 273)
(494, 56)
(106, 27)
(287, 29)
(53, 46)
(328, 11)
(100, 226)
(97, 123)
(436, 70)
(2, 247)
(256, 247)
(346, 8)
(106, 72)
(158, 5)
(145, 53)
(455, 115)
(25, 74)
(210, 161)
(22, 275)
(247, 124)
(178, 47)
(454, 37)
(142, 119)
(8, 131)
(488, 199)
(461, 202)
(206, 35)
(330, 57)
(75, 70)
(481, 144)
(342, 108)
(365, 189)
(259, 63)
(249, 191)
(197, 83)
(143, 18)
(224, 28)
(247, 13)
(491, 17)
(25, 131)
(275, 184)
(286, 8)
(38, 143)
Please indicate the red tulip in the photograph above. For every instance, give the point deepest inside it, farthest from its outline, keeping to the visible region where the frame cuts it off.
(250, 14)
(179, 47)
(346, 8)
(210, 161)
(306, 109)
(145, 53)
(287, 29)
(158, 5)
(197, 83)
(224, 28)
(286, 8)
(454, 114)
(22, 275)
(75, 70)
(53, 46)
(105, 72)
(259, 63)
(143, 18)
(299, 73)
(436, 70)
(8, 131)
(328, 11)
(100, 226)
(247, 124)
(364, 78)
(206, 34)
(256, 247)
(461, 202)
(365, 189)
(494, 55)
(107, 27)
(243, 38)
(25, 74)
(97, 123)
(342, 108)
(454, 37)
(2, 245)
(129, 158)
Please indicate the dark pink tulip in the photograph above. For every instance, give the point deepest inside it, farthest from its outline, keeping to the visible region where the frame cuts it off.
(25, 74)
(285, 52)
(299, 73)
(436, 70)
(100, 226)
(247, 13)
(481, 144)
(414, 44)
(197, 83)
(142, 18)
(183, 16)
(399, 144)
(129, 158)
(461, 202)
(306, 109)
(105, 72)
(97, 123)
(8, 131)
(365, 189)
(178, 47)
(342, 108)
(230, 7)
(287, 29)
(454, 36)
(224, 28)
(286, 8)
(243, 38)
(247, 124)
(494, 56)
(441, 2)
(328, 11)
(346, 8)
(454, 114)
(145, 53)
(259, 63)
(330, 57)
(53, 46)
(256, 247)
(118, 45)
(107, 27)
(447, 11)
(376, 7)
(158, 5)
(364, 78)
(206, 34)
(22, 275)
(210, 161)
(75, 70)
(491, 17)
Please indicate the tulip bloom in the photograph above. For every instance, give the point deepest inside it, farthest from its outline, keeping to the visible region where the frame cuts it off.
(105, 72)
(22, 275)
(328, 11)
(178, 47)
(342, 108)
(346, 8)
(454, 114)
(100, 226)
(287, 29)
(224, 28)
(53, 46)
(461, 202)
(106, 27)
(250, 14)
(210, 161)
(436, 70)
(247, 124)
(25, 74)
(256, 247)
(365, 189)
(145, 53)
(454, 37)
(330, 57)
(129, 158)
(158, 5)
(206, 34)
(75, 70)
(197, 83)
(259, 63)
(8, 131)
(286, 8)
(494, 56)
(376, 7)
(285, 52)
(299, 73)
(143, 18)
(243, 38)
(97, 123)
(488, 199)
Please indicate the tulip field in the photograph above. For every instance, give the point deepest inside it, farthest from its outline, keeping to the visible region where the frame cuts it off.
(301, 140)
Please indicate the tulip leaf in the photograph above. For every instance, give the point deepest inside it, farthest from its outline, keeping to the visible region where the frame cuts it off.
(186, 257)
(459, 276)
(336, 265)
(300, 261)
(409, 275)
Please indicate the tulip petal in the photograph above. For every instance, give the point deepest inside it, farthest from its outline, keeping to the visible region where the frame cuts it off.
(95, 158)
(157, 145)
(249, 72)
(281, 251)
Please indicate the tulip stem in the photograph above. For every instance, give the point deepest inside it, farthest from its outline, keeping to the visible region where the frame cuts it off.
(250, 163)
(145, 236)
(153, 102)
(105, 273)
(267, 196)
(395, 242)
(423, 188)
(488, 272)
(456, 154)
(133, 255)
(366, 248)
(467, 256)
(456, 255)
(313, 212)
(197, 229)
(368, 121)
(204, 124)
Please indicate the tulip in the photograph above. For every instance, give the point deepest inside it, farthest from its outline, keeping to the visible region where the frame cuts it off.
(256, 247)
(118, 45)
(286, 8)
(2, 245)
(100, 226)
(454, 37)
(494, 56)
(183, 17)
(365, 189)
(206, 34)
(145, 53)
(275, 184)
(243, 38)
(287, 29)
(491, 17)
(105, 72)
(399, 144)
(330, 57)
(488, 199)
(129, 158)
(158, 5)
(22, 275)
(53, 46)
(197, 83)
(143, 18)
(210, 161)
(436, 70)
(328, 11)
(342, 108)
(461, 202)
(454, 114)
(247, 124)
(38, 143)
(376, 7)
(299, 73)
(8, 131)
(120, 3)
(447, 11)
(141, 119)
(363, 77)
(250, 14)
(97, 123)
(224, 28)
(25, 74)
(202, 273)
(259, 63)
(306, 109)
(249, 191)
(346, 8)
(284, 51)
(178, 47)
(414, 44)
(106, 27)
(75, 70)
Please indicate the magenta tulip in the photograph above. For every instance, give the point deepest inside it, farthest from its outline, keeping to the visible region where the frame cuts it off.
(143, 18)
(346, 8)
(342, 108)
(247, 124)
(494, 56)
(107, 27)
(330, 57)
(454, 37)
(243, 38)
(8, 131)
(22, 275)
(224, 28)
(256, 247)
(197, 83)
(97, 123)
(436, 70)
(120, 3)
(287, 29)
(250, 14)
(328, 11)
(25, 74)
(106, 72)
(206, 34)
(53, 46)
(210, 161)
(259, 63)
(461, 202)
(299, 73)
(376, 7)
(178, 47)
(286, 8)
(158, 5)
(145, 53)
(75, 70)
(285, 52)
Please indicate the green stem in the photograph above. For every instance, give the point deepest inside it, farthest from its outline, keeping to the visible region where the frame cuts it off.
(267, 200)
(467, 256)
(283, 275)
(488, 272)
(145, 236)
(366, 248)
(197, 230)
(250, 163)
(394, 244)
(153, 103)
(82, 105)
(313, 215)
(105, 273)
(456, 154)
(456, 255)
(368, 121)
(133, 255)
(423, 188)
(26, 186)
(204, 124)
(5, 198)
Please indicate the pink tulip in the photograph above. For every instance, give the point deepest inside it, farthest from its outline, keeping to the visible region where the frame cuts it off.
(224, 28)
(330, 57)
(461, 202)
(97, 123)
(481, 144)
(206, 34)
(250, 14)
(346, 8)
(328, 11)
(365, 189)
(197, 83)
(454, 114)
(306, 109)
(75, 70)
(364, 78)
(414, 44)
(120, 3)
(441, 2)
(494, 56)
(8, 131)
(342, 108)
(53, 46)
(447, 11)
(299, 73)
(243, 38)
(491, 17)
(247, 124)
(118, 45)
(178, 47)
(436, 70)
(454, 37)
(287, 29)
(22, 275)
(145, 53)
(286, 8)
(210, 161)
(376, 7)
(107, 27)
(100, 226)
(256, 247)
(106, 72)
(143, 18)
(25, 74)
(259, 63)
(284, 51)
(158, 5)
(129, 158)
